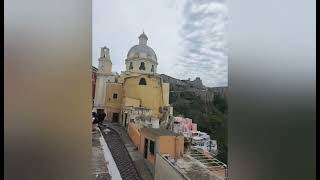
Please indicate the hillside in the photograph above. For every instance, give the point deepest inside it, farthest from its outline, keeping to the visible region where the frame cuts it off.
(206, 106)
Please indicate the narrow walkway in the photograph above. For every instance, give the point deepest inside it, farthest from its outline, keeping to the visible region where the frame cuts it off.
(98, 163)
(140, 163)
(120, 154)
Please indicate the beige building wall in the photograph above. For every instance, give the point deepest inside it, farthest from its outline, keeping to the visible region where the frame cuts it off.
(111, 90)
(100, 90)
(150, 95)
(134, 134)
(110, 114)
(165, 93)
(130, 102)
(113, 104)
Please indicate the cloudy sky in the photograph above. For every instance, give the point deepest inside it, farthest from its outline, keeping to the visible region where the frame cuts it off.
(188, 36)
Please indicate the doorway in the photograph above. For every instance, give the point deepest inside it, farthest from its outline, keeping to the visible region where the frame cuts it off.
(125, 119)
(115, 117)
(145, 154)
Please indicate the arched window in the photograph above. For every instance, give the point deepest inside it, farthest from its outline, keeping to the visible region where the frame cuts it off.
(152, 68)
(130, 66)
(142, 67)
(142, 81)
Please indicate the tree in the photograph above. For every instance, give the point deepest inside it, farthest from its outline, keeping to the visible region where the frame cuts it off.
(205, 115)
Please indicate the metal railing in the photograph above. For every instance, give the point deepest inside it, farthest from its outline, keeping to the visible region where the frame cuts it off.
(174, 167)
(211, 161)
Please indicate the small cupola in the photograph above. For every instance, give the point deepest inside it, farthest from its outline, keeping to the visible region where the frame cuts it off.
(143, 39)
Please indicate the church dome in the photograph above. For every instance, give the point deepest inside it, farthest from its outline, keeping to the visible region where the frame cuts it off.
(142, 50)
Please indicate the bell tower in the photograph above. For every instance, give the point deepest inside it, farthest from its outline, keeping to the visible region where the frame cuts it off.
(105, 64)
(104, 76)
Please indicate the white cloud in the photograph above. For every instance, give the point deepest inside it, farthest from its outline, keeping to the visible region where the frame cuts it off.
(204, 33)
(187, 36)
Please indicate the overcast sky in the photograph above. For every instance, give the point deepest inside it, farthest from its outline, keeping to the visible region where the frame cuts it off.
(188, 36)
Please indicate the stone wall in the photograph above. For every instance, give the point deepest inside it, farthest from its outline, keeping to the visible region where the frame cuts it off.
(165, 170)
(206, 94)
(172, 81)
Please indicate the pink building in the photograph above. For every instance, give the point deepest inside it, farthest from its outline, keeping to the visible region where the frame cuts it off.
(184, 126)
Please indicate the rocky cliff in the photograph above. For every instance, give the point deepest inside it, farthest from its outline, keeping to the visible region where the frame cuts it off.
(196, 86)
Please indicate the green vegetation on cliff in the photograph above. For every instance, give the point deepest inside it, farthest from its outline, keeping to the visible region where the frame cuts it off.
(210, 117)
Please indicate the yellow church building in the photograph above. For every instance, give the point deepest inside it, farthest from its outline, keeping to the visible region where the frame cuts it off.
(138, 94)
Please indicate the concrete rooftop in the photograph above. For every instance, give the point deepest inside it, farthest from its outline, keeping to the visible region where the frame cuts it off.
(159, 132)
(194, 169)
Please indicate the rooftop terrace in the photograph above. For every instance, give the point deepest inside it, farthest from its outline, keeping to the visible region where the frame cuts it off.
(198, 166)
(159, 132)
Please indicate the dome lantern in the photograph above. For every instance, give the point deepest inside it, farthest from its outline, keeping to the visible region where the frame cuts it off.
(142, 50)
(143, 39)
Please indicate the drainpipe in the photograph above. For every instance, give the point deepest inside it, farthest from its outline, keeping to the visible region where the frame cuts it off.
(139, 140)
(177, 147)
